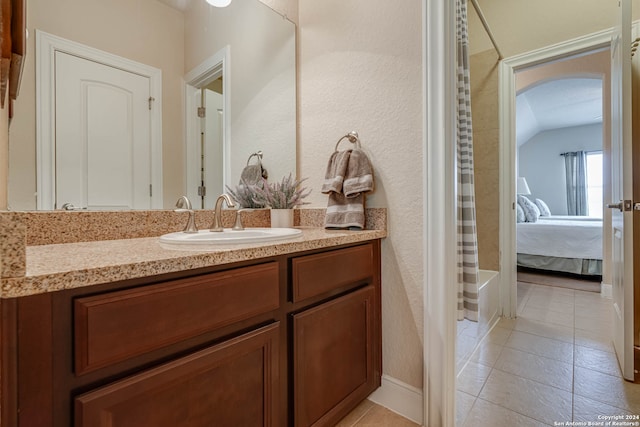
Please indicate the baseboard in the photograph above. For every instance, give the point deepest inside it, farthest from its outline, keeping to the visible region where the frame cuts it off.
(400, 398)
(606, 291)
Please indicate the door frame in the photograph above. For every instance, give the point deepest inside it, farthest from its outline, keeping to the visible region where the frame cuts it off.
(439, 217)
(507, 148)
(210, 69)
(46, 47)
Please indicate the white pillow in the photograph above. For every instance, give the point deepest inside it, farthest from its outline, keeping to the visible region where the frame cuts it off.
(531, 211)
(544, 209)
(519, 213)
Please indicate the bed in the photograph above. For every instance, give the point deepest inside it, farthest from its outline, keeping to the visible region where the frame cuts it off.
(569, 218)
(564, 244)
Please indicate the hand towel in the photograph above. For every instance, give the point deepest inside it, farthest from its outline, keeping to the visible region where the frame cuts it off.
(349, 176)
(336, 170)
(253, 174)
(359, 178)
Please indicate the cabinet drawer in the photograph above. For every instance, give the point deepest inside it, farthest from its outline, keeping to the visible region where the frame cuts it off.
(234, 383)
(113, 327)
(316, 274)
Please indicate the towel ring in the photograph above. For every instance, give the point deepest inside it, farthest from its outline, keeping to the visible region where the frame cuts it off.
(257, 154)
(352, 137)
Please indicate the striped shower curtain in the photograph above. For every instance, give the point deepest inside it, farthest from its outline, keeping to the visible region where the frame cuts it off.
(467, 236)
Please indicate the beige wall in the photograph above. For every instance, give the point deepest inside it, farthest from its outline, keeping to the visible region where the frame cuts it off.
(288, 8)
(523, 25)
(360, 69)
(486, 140)
(147, 31)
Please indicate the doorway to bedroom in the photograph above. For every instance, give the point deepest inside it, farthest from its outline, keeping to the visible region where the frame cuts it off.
(562, 117)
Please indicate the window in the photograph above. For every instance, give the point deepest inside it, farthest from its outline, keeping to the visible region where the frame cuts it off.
(594, 184)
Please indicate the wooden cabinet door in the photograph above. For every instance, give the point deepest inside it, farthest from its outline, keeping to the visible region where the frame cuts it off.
(335, 357)
(234, 383)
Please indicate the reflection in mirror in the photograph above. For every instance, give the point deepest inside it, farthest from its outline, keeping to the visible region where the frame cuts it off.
(99, 137)
(207, 95)
(261, 88)
(260, 114)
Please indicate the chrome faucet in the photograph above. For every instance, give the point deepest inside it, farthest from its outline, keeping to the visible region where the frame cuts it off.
(217, 216)
(184, 205)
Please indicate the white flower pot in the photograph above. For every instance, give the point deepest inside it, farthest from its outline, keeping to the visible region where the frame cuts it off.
(281, 218)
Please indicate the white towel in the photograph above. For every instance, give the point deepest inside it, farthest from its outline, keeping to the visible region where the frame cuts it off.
(348, 177)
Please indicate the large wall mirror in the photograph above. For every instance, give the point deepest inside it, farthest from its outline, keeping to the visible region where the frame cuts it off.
(251, 99)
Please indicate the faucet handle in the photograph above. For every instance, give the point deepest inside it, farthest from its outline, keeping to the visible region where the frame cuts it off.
(238, 224)
(191, 223)
(184, 205)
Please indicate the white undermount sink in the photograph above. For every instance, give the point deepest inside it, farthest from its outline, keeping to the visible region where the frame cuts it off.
(229, 236)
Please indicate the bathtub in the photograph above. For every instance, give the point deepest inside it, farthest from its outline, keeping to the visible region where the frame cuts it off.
(470, 334)
(488, 298)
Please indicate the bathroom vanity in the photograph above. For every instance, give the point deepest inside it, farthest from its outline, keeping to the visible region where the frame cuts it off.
(287, 334)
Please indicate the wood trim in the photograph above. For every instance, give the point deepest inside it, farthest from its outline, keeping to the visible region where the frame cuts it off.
(5, 48)
(35, 357)
(9, 362)
(18, 45)
(12, 48)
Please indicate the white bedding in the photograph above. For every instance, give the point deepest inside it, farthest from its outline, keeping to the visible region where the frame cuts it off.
(561, 238)
(568, 218)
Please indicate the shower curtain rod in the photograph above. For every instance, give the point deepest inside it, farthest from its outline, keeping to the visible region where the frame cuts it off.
(486, 27)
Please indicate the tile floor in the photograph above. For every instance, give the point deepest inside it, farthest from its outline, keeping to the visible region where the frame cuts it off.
(554, 363)
(369, 414)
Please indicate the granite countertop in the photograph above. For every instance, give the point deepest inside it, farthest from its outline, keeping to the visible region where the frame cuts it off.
(56, 250)
(71, 265)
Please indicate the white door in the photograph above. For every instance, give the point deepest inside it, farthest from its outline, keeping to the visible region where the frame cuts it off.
(212, 149)
(205, 179)
(622, 190)
(102, 136)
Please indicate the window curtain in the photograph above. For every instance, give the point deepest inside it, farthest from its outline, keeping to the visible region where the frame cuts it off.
(467, 252)
(576, 179)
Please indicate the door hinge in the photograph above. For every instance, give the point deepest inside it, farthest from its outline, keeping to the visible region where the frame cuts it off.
(202, 111)
(150, 190)
(202, 191)
(151, 99)
(636, 206)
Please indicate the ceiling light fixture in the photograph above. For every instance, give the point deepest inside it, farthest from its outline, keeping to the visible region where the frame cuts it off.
(219, 3)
